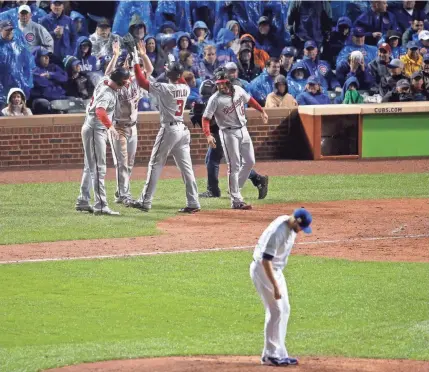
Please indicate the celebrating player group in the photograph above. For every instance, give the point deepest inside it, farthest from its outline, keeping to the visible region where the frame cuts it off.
(112, 114)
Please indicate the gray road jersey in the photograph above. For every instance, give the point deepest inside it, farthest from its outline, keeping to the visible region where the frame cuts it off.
(103, 97)
(127, 105)
(171, 100)
(277, 240)
(227, 113)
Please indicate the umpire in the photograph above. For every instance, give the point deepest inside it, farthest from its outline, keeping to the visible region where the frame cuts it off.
(215, 155)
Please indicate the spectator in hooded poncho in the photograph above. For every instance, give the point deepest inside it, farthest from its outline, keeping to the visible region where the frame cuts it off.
(350, 94)
(313, 93)
(280, 96)
(339, 37)
(234, 27)
(248, 69)
(16, 104)
(16, 62)
(297, 79)
(223, 47)
(183, 42)
(156, 55)
(267, 37)
(80, 24)
(136, 33)
(260, 57)
(201, 36)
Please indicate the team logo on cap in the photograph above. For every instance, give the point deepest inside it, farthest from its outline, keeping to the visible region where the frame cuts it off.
(30, 37)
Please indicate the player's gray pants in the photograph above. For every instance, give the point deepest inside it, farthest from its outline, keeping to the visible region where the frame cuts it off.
(124, 153)
(240, 157)
(276, 311)
(94, 145)
(175, 140)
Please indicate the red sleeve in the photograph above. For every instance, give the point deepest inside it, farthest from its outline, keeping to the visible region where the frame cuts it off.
(252, 103)
(206, 126)
(141, 80)
(182, 81)
(101, 114)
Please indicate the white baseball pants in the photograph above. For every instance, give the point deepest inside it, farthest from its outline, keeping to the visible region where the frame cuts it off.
(94, 145)
(240, 157)
(175, 140)
(276, 311)
(124, 153)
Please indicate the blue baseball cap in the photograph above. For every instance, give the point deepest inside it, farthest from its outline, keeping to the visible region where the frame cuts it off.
(310, 44)
(289, 51)
(56, 1)
(6, 25)
(313, 80)
(358, 31)
(412, 45)
(304, 219)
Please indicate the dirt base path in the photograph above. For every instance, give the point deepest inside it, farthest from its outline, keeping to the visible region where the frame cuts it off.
(271, 168)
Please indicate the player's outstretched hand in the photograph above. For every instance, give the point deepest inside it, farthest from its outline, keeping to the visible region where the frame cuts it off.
(114, 133)
(141, 48)
(264, 117)
(136, 59)
(116, 48)
(211, 141)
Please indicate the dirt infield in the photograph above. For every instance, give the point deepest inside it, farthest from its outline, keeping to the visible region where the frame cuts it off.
(368, 230)
(247, 364)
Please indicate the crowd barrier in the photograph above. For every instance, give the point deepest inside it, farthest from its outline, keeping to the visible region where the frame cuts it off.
(310, 132)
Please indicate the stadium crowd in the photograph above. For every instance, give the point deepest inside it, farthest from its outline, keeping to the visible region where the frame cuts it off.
(285, 53)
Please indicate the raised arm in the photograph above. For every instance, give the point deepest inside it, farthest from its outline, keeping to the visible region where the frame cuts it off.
(147, 64)
(116, 53)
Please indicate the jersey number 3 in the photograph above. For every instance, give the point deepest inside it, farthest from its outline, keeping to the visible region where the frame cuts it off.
(180, 107)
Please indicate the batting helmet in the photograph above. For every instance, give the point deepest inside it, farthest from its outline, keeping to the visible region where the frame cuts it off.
(119, 76)
(174, 70)
(221, 76)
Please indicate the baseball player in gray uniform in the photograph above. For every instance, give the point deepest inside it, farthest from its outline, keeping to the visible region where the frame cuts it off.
(269, 259)
(95, 130)
(227, 105)
(125, 122)
(173, 137)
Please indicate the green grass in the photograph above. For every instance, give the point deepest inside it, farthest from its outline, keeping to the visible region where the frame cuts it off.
(60, 313)
(45, 212)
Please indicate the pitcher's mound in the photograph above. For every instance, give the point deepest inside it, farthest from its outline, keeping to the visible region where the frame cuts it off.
(247, 364)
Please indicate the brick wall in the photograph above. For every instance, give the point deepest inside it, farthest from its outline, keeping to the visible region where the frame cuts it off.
(55, 140)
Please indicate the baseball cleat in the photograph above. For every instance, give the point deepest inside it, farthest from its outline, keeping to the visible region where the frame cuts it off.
(241, 205)
(138, 205)
(263, 187)
(129, 202)
(84, 208)
(107, 211)
(279, 362)
(209, 194)
(189, 210)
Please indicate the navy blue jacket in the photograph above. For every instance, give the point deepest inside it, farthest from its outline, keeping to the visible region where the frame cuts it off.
(404, 19)
(89, 62)
(63, 46)
(366, 80)
(375, 22)
(306, 98)
(48, 87)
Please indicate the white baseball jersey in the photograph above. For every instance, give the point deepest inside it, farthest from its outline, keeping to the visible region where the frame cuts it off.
(103, 97)
(228, 111)
(277, 241)
(171, 100)
(127, 105)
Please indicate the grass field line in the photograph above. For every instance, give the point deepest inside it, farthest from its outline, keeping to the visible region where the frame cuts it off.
(198, 250)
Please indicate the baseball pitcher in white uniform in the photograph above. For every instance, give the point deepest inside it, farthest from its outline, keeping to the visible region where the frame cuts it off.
(125, 121)
(97, 125)
(227, 105)
(173, 137)
(269, 259)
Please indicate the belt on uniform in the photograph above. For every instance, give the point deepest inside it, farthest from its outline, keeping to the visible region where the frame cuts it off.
(229, 128)
(127, 125)
(176, 123)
